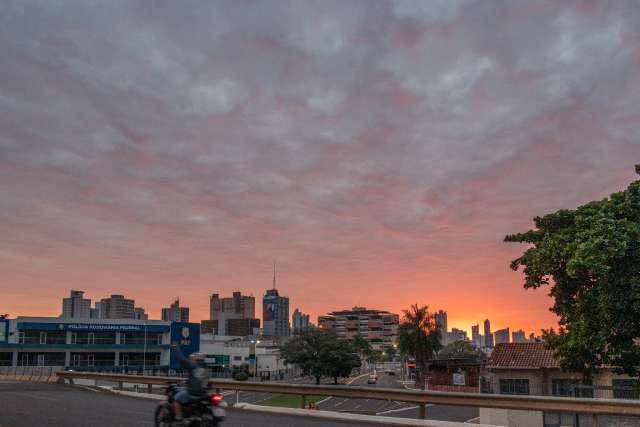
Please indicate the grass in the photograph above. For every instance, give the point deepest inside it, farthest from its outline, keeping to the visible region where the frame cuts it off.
(288, 400)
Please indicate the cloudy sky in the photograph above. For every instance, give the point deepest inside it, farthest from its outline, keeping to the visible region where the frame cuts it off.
(380, 150)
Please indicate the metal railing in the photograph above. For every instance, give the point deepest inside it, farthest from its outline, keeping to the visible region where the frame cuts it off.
(421, 398)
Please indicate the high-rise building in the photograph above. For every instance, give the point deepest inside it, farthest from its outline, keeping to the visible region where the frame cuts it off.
(116, 307)
(441, 321)
(275, 312)
(175, 313)
(475, 335)
(502, 336)
(241, 305)
(233, 316)
(518, 336)
(140, 314)
(242, 327)
(300, 322)
(378, 327)
(76, 306)
(488, 336)
(456, 335)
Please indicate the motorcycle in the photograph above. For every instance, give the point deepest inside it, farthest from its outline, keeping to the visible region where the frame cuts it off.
(207, 411)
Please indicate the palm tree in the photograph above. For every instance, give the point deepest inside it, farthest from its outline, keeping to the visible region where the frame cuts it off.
(419, 337)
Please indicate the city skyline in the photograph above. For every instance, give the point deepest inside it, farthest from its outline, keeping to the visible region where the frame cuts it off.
(380, 150)
(253, 313)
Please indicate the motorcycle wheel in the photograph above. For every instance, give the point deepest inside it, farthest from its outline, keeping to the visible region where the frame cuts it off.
(164, 415)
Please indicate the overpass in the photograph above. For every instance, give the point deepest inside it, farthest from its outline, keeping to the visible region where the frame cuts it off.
(25, 403)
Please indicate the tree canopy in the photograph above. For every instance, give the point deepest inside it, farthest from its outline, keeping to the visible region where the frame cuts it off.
(461, 350)
(321, 354)
(590, 259)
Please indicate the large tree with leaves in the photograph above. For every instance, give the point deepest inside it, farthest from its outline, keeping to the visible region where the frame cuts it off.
(419, 337)
(321, 354)
(590, 259)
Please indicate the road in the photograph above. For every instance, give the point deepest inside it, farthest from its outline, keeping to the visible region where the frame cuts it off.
(376, 407)
(54, 405)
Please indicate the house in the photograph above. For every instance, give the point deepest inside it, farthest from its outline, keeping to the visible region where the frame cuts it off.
(531, 369)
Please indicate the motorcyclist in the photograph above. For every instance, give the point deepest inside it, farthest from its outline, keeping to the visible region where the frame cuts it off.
(197, 380)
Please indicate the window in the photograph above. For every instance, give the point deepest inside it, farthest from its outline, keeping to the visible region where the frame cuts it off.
(91, 359)
(514, 386)
(74, 338)
(626, 389)
(43, 337)
(41, 360)
(159, 339)
(237, 357)
(91, 338)
(20, 337)
(570, 388)
(75, 360)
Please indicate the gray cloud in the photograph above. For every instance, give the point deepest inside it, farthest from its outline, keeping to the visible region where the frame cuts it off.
(318, 130)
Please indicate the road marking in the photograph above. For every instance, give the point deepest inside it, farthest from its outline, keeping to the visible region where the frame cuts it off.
(473, 420)
(391, 411)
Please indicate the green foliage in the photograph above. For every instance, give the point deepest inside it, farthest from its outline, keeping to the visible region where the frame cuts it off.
(418, 337)
(461, 350)
(319, 354)
(390, 354)
(590, 258)
(362, 347)
(240, 373)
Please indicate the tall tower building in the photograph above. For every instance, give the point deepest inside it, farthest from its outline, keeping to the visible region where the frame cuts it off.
(116, 307)
(501, 336)
(76, 306)
(275, 312)
(475, 335)
(175, 313)
(488, 336)
(518, 336)
(232, 316)
(300, 322)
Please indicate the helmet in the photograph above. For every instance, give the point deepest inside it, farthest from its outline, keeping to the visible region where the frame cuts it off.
(197, 357)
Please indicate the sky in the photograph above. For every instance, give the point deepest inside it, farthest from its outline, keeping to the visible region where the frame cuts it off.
(380, 150)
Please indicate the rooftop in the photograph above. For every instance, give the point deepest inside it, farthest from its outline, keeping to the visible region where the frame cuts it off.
(532, 355)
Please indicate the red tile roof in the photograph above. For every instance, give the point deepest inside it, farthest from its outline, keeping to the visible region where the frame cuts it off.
(532, 355)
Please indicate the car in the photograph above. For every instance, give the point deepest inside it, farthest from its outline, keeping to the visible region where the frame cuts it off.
(373, 379)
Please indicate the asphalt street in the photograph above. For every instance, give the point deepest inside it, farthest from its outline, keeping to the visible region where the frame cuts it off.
(375, 407)
(53, 405)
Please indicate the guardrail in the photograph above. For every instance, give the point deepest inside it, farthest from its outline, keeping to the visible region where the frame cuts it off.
(28, 373)
(421, 398)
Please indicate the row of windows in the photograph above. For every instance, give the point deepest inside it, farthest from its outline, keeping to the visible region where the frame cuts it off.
(621, 388)
(88, 338)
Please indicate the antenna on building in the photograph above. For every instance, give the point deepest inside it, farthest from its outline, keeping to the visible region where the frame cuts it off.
(274, 273)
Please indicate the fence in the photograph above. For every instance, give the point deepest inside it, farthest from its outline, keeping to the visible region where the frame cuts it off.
(527, 403)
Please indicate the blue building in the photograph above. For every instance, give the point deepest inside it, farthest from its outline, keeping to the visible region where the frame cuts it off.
(95, 344)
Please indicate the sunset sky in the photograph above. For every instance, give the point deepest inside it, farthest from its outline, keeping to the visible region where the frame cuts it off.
(379, 150)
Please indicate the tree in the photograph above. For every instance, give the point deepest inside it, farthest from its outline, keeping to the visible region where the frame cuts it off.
(590, 259)
(304, 351)
(362, 347)
(319, 354)
(461, 350)
(390, 353)
(418, 337)
(339, 359)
